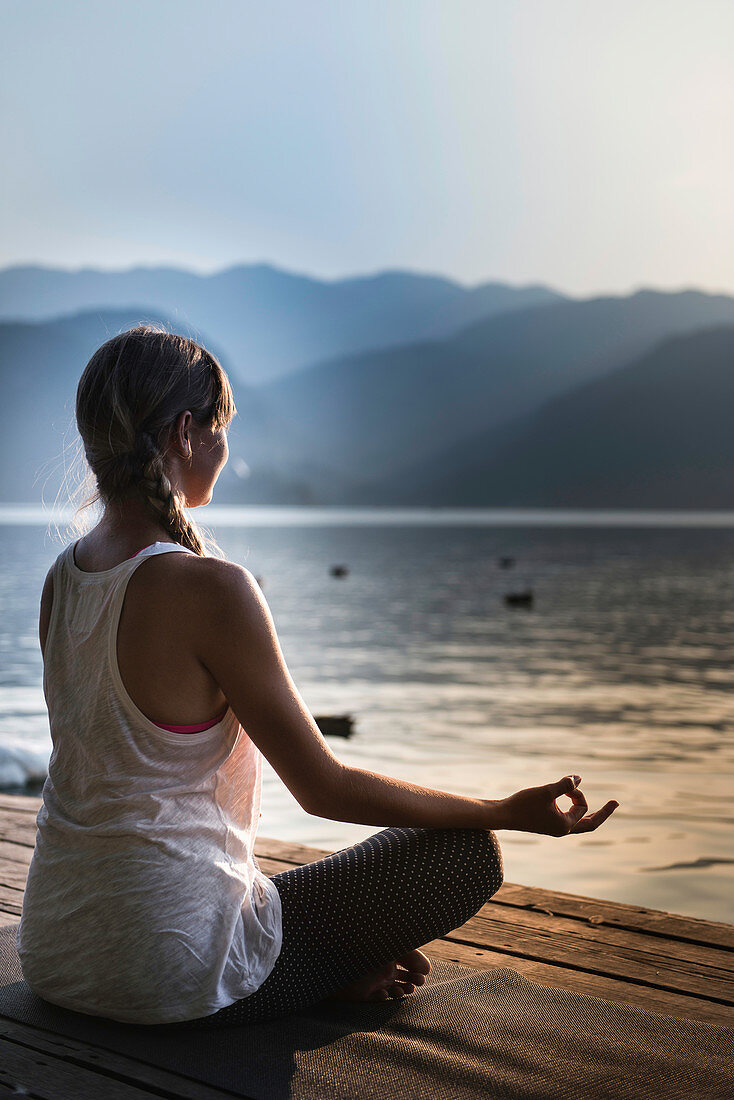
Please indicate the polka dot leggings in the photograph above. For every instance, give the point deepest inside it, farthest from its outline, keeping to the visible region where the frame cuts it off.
(356, 910)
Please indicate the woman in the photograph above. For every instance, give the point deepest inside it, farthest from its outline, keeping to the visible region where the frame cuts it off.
(144, 901)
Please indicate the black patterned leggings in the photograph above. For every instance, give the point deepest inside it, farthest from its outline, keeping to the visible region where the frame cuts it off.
(352, 912)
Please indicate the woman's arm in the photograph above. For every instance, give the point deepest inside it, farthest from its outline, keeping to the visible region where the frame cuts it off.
(238, 644)
(44, 616)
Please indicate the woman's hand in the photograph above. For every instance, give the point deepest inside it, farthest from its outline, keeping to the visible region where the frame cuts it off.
(535, 811)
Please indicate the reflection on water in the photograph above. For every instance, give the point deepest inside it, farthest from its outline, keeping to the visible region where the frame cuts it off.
(622, 671)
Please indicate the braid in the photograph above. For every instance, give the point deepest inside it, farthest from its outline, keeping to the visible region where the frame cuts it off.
(163, 501)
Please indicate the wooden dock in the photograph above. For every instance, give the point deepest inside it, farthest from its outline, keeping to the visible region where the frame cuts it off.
(680, 966)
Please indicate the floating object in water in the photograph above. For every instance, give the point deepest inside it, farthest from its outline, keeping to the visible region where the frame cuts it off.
(506, 563)
(339, 571)
(260, 581)
(335, 725)
(519, 599)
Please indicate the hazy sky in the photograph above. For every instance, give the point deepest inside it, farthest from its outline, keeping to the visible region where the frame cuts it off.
(584, 143)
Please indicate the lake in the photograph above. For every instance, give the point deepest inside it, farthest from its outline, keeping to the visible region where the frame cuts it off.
(622, 671)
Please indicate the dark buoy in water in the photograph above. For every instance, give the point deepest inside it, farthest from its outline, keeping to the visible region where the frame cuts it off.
(335, 725)
(506, 563)
(519, 599)
(339, 571)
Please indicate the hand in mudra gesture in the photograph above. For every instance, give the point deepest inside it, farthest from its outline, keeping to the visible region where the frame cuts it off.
(534, 810)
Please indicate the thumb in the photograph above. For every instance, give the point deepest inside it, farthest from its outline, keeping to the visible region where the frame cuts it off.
(566, 785)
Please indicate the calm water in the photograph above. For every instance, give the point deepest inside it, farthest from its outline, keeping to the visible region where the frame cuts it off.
(622, 672)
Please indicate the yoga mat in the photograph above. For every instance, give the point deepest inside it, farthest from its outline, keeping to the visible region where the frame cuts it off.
(465, 1034)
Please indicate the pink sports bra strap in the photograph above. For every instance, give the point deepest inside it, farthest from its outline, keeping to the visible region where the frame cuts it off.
(193, 729)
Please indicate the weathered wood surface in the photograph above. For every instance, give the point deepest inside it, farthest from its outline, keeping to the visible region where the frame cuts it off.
(81, 1071)
(656, 961)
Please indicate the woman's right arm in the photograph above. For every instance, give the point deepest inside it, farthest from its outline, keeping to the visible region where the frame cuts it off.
(238, 645)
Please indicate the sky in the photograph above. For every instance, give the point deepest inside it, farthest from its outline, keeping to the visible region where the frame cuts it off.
(586, 144)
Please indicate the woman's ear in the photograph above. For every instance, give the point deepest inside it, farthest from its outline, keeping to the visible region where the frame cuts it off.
(182, 433)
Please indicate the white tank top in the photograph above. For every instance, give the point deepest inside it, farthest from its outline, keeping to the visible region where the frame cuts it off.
(144, 902)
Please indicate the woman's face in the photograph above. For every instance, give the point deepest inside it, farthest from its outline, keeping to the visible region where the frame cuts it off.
(209, 454)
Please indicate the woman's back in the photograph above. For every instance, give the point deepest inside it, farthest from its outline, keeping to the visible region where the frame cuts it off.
(160, 615)
(143, 864)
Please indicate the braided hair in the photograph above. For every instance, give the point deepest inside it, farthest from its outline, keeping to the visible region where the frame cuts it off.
(129, 396)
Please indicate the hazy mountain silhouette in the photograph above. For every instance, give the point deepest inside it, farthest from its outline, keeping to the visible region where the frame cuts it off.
(268, 321)
(371, 415)
(654, 434)
(40, 366)
(469, 420)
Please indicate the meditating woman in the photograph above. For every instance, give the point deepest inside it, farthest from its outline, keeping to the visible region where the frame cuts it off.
(165, 683)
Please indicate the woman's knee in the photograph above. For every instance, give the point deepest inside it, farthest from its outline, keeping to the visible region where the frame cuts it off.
(482, 851)
(467, 854)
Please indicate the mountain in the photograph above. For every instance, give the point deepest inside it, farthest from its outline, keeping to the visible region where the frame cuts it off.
(40, 366)
(372, 415)
(470, 420)
(654, 434)
(267, 321)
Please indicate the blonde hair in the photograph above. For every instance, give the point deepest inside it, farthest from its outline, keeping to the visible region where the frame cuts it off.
(129, 396)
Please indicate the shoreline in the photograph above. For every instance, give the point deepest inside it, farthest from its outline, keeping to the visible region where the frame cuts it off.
(337, 515)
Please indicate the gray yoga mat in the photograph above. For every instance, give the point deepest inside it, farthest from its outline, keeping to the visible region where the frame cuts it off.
(465, 1034)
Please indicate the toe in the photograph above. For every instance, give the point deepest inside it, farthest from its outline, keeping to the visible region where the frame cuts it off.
(416, 962)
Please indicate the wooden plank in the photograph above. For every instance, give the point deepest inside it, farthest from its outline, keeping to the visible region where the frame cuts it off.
(11, 901)
(42, 1075)
(618, 914)
(13, 874)
(161, 1082)
(273, 866)
(593, 985)
(20, 802)
(15, 853)
(645, 960)
(612, 935)
(10, 1093)
(18, 832)
(285, 851)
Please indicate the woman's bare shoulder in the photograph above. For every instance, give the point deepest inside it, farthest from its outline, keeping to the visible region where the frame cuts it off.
(213, 574)
(205, 584)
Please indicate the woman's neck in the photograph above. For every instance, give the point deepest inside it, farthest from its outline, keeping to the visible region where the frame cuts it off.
(124, 528)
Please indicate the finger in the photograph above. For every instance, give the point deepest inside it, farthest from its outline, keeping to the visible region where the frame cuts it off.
(577, 811)
(579, 798)
(565, 786)
(593, 821)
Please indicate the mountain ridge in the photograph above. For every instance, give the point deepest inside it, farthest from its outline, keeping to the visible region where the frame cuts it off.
(654, 433)
(268, 321)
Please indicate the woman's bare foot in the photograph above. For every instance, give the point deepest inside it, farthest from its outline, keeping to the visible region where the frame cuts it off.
(396, 979)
